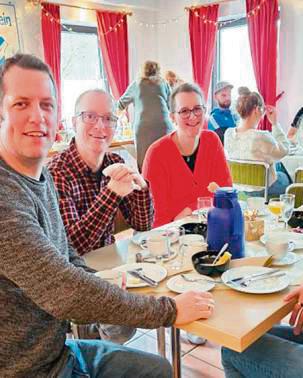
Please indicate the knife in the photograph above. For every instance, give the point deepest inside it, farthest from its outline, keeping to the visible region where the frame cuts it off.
(143, 277)
(247, 282)
(239, 280)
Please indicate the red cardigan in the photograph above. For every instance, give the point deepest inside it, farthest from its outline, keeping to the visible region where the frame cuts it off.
(173, 185)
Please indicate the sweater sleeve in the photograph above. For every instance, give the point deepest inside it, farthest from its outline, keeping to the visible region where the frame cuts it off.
(31, 261)
(127, 97)
(155, 171)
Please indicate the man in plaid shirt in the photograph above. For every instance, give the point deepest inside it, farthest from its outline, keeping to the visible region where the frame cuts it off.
(88, 200)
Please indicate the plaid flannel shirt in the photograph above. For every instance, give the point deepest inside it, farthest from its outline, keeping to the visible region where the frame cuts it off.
(88, 207)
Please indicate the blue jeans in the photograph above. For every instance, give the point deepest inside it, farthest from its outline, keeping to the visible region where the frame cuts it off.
(278, 354)
(97, 358)
(276, 188)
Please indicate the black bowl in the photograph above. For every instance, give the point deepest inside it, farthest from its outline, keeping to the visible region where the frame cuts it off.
(202, 262)
(195, 228)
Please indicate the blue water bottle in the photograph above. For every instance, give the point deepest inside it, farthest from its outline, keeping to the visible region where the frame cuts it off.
(225, 223)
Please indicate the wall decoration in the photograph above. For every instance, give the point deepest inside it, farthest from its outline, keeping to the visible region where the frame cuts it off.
(9, 36)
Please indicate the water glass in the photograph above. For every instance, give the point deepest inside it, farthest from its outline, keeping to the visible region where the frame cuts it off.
(288, 204)
(203, 205)
(156, 243)
(180, 234)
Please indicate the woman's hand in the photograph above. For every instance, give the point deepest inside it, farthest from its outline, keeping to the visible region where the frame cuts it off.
(271, 114)
(296, 318)
(212, 187)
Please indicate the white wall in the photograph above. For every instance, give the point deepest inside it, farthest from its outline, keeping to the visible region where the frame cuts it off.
(290, 77)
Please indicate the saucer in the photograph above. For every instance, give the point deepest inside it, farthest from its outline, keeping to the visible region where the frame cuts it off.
(289, 259)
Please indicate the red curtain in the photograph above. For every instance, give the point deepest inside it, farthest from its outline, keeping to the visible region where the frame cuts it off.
(262, 19)
(113, 41)
(51, 35)
(203, 32)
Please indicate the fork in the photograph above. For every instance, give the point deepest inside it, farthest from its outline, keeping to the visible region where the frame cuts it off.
(189, 279)
(247, 282)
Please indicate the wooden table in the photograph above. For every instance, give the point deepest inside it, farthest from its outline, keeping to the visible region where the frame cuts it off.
(239, 319)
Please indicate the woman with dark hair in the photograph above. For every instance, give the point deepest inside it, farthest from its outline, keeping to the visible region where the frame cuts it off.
(247, 143)
(296, 129)
(180, 166)
(149, 95)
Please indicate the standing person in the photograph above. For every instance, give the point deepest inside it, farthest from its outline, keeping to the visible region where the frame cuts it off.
(297, 124)
(247, 143)
(221, 117)
(44, 283)
(150, 96)
(172, 78)
(180, 166)
(88, 199)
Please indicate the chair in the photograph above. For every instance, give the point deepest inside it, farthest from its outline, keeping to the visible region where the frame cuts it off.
(299, 175)
(250, 175)
(297, 190)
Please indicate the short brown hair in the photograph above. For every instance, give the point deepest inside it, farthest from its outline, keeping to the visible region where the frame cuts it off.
(187, 88)
(248, 101)
(25, 61)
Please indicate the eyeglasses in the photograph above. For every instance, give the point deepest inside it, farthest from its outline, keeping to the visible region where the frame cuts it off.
(197, 111)
(109, 120)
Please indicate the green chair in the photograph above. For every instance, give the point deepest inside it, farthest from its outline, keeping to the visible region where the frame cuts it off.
(297, 190)
(299, 175)
(250, 175)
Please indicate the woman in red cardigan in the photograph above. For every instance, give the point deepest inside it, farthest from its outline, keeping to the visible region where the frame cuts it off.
(180, 166)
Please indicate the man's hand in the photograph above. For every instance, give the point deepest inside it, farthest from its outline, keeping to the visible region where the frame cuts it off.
(122, 179)
(193, 305)
(296, 318)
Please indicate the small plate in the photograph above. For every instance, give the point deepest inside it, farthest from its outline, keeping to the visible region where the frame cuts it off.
(156, 272)
(264, 286)
(179, 285)
(290, 236)
(173, 255)
(289, 259)
(140, 238)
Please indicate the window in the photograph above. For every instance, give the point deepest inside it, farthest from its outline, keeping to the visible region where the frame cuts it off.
(81, 66)
(233, 58)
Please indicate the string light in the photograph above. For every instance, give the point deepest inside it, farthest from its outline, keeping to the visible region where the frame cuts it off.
(159, 23)
(251, 13)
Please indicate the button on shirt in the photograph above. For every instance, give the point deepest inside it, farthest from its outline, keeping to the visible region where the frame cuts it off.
(88, 207)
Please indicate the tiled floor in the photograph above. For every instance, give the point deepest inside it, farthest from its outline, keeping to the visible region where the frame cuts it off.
(197, 361)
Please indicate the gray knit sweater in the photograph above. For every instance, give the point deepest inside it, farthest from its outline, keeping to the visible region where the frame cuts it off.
(43, 283)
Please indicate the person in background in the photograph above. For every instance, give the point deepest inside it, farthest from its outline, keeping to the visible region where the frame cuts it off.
(172, 78)
(297, 124)
(44, 283)
(150, 96)
(276, 354)
(222, 117)
(89, 200)
(247, 143)
(181, 165)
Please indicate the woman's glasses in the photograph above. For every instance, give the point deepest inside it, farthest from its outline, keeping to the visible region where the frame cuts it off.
(92, 118)
(197, 111)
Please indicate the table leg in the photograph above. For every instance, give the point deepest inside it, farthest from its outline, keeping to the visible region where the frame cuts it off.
(161, 341)
(176, 352)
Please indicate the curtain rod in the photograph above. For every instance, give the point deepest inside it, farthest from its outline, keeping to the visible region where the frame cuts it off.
(81, 7)
(209, 4)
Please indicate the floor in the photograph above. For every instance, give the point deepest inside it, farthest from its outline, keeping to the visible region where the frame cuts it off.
(197, 361)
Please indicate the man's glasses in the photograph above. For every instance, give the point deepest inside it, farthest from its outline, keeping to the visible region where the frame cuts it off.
(109, 121)
(197, 111)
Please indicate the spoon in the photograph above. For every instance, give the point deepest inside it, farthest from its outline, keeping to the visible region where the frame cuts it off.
(222, 250)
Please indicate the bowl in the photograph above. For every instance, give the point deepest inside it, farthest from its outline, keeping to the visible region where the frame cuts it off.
(202, 262)
(195, 228)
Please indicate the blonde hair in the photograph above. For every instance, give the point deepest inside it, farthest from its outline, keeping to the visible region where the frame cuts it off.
(248, 101)
(150, 71)
(171, 77)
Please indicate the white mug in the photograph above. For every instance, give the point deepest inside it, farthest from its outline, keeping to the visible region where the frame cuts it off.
(278, 247)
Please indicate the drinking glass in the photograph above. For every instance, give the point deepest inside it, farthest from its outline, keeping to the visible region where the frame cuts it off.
(288, 204)
(179, 262)
(203, 205)
(156, 243)
(275, 207)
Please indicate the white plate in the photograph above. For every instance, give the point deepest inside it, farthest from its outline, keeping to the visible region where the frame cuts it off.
(264, 286)
(140, 238)
(289, 259)
(179, 285)
(156, 272)
(173, 254)
(290, 236)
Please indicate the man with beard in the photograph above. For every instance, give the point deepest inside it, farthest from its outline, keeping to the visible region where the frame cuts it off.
(221, 117)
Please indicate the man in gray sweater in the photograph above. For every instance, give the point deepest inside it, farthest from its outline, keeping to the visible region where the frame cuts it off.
(43, 283)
